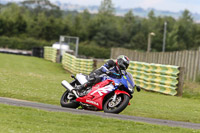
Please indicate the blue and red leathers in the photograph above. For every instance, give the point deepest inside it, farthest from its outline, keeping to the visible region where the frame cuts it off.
(109, 68)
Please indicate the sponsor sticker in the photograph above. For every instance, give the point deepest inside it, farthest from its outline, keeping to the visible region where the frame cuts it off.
(92, 102)
(104, 90)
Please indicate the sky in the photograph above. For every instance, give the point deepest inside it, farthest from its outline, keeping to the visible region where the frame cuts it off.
(169, 5)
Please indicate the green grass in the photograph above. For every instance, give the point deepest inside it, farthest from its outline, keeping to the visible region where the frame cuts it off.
(147, 104)
(21, 119)
(31, 78)
(39, 80)
(191, 90)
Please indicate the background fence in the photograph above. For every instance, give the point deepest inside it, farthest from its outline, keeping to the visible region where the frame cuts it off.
(190, 60)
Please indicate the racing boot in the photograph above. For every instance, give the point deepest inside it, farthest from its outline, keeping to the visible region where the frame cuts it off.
(79, 88)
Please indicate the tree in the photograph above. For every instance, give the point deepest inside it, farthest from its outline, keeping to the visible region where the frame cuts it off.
(183, 32)
(139, 41)
(20, 25)
(103, 28)
(2, 26)
(106, 8)
(128, 26)
(151, 15)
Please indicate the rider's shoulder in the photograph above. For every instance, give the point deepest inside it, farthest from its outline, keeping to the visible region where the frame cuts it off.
(111, 62)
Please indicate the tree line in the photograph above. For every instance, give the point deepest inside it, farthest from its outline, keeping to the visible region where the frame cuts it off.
(103, 29)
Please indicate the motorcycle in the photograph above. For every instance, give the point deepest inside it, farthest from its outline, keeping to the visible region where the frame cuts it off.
(112, 95)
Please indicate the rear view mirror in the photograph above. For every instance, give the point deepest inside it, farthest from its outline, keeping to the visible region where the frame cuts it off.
(73, 76)
(138, 88)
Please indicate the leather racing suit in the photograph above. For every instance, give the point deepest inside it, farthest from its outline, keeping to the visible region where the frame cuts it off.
(110, 68)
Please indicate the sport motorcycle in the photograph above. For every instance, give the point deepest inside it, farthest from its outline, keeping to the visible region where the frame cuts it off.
(112, 95)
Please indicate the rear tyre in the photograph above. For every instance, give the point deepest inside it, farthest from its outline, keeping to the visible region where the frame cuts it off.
(122, 101)
(68, 100)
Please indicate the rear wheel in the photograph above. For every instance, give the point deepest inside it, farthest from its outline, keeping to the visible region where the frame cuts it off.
(118, 106)
(69, 100)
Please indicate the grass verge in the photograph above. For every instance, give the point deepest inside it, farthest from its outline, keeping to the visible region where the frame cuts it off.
(191, 90)
(31, 78)
(22, 119)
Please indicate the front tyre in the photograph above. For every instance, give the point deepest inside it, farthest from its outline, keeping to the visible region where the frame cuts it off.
(118, 106)
(69, 100)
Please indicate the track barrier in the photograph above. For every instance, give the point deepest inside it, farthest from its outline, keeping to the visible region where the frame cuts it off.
(50, 53)
(77, 65)
(156, 77)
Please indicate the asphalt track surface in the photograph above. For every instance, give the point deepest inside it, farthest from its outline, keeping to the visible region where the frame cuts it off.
(55, 108)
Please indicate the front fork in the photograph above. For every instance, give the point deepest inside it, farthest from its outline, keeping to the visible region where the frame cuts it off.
(114, 98)
(117, 92)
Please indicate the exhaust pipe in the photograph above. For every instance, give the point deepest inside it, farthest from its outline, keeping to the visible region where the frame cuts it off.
(69, 87)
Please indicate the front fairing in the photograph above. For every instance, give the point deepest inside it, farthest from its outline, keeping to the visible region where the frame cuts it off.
(116, 80)
(126, 80)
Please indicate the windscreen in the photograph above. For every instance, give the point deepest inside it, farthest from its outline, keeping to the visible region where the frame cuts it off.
(130, 79)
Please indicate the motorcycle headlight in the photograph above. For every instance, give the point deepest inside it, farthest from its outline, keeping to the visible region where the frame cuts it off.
(130, 87)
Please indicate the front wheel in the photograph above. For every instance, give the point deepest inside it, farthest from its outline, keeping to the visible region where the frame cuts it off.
(118, 106)
(69, 100)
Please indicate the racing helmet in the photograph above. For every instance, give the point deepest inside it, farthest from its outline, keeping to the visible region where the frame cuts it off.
(122, 62)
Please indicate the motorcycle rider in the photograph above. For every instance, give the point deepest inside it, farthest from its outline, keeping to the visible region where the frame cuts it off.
(110, 68)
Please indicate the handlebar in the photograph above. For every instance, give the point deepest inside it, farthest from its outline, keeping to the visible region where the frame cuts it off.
(110, 73)
(116, 74)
